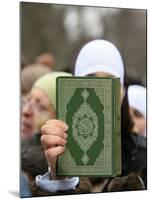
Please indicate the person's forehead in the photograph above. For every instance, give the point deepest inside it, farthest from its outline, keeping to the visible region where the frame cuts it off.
(103, 74)
(39, 95)
(136, 112)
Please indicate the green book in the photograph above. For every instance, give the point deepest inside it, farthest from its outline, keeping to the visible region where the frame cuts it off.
(91, 108)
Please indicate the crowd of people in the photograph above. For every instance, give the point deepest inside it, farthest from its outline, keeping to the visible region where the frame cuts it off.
(44, 138)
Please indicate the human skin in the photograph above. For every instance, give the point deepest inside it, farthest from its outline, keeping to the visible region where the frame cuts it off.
(54, 136)
(36, 110)
(139, 122)
(54, 139)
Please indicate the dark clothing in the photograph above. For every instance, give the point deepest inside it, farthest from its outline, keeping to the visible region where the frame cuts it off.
(134, 155)
(133, 175)
(33, 159)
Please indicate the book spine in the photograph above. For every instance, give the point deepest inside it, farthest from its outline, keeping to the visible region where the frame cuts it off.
(117, 128)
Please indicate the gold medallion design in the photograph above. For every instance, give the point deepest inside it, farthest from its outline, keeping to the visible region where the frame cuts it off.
(85, 126)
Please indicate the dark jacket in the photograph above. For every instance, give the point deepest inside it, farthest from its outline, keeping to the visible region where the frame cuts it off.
(133, 175)
(134, 156)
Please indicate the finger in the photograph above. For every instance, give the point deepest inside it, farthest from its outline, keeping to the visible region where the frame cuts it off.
(52, 153)
(48, 141)
(49, 129)
(58, 123)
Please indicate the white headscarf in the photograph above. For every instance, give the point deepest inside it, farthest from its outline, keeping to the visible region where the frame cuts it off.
(137, 98)
(99, 56)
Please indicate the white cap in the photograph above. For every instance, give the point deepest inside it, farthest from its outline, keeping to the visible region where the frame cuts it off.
(137, 98)
(99, 56)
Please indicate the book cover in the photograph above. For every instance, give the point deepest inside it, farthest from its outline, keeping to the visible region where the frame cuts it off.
(91, 108)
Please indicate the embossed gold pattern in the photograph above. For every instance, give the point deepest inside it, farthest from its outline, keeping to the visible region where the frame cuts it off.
(69, 89)
(85, 126)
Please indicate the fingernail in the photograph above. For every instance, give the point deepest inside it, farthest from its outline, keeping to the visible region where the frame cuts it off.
(65, 135)
(65, 127)
(65, 142)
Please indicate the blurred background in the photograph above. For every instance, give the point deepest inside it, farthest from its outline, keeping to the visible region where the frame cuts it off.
(59, 31)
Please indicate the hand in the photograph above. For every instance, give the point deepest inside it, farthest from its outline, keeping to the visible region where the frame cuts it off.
(54, 139)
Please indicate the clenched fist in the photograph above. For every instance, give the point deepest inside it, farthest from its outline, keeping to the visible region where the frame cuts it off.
(54, 139)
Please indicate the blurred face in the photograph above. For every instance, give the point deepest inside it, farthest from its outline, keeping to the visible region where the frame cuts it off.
(139, 122)
(36, 110)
